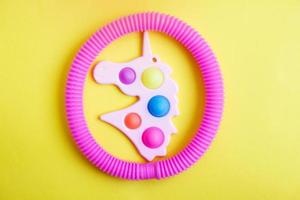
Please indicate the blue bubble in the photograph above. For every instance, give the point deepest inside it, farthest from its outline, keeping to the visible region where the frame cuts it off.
(159, 106)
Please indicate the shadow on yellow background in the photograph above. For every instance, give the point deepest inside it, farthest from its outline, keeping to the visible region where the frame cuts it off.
(256, 152)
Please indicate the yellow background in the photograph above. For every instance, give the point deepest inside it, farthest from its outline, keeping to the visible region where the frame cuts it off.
(256, 152)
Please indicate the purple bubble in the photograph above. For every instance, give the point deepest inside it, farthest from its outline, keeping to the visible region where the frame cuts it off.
(127, 75)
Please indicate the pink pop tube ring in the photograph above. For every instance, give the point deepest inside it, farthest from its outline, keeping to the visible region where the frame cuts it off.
(214, 99)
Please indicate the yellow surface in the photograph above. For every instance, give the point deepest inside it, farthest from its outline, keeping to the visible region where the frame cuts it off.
(256, 152)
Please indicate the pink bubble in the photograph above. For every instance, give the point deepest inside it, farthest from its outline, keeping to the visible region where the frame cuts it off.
(153, 137)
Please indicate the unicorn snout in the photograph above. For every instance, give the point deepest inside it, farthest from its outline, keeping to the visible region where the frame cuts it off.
(105, 72)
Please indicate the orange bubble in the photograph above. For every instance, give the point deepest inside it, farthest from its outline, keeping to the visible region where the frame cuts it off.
(132, 120)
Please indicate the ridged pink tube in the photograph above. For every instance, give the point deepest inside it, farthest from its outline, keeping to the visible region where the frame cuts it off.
(214, 98)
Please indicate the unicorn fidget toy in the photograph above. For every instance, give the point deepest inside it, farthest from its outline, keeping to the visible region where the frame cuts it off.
(147, 122)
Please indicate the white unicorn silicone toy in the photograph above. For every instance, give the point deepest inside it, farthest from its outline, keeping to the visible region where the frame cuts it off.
(147, 123)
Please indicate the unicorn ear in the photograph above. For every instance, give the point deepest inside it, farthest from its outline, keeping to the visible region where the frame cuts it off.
(147, 52)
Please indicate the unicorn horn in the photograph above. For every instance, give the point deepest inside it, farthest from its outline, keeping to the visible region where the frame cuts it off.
(146, 45)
